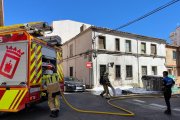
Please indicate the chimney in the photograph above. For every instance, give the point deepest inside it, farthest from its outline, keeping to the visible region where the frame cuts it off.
(82, 28)
(1, 13)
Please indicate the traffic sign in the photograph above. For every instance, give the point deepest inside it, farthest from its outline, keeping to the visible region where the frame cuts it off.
(88, 64)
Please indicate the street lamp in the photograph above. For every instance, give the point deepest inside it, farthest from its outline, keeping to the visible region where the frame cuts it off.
(111, 64)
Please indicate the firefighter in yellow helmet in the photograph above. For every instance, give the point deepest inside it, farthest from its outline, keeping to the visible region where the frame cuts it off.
(53, 89)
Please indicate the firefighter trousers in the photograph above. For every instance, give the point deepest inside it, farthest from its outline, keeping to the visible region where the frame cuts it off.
(54, 102)
(106, 90)
(112, 88)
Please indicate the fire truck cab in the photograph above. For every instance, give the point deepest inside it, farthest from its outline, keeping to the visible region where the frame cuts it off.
(23, 56)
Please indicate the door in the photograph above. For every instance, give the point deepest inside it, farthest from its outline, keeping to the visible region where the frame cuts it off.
(102, 70)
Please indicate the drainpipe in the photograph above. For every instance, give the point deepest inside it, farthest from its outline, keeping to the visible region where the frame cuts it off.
(138, 61)
(68, 73)
(95, 57)
(75, 58)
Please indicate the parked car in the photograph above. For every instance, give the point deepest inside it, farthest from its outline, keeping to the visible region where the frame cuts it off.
(73, 85)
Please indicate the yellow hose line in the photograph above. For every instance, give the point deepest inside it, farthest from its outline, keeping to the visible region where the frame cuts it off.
(130, 97)
(128, 113)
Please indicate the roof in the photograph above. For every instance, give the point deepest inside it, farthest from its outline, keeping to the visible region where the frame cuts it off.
(118, 33)
(108, 31)
(172, 46)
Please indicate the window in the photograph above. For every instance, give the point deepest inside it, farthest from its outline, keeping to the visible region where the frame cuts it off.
(129, 71)
(174, 55)
(71, 50)
(71, 71)
(128, 46)
(102, 42)
(154, 70)
(143, 48)
(118, 71)
(117, 44)
(144, 70)
(102, 70)
(153, 49)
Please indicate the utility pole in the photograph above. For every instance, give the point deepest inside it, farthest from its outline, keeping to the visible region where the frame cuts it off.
(1, 13)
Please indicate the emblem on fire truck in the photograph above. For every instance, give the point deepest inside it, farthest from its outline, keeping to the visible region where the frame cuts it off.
(10, 61)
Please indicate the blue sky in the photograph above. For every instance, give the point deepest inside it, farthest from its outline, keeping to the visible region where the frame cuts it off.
(103, 13)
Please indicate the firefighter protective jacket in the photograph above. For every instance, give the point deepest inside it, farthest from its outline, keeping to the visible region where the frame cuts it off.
(52, 82)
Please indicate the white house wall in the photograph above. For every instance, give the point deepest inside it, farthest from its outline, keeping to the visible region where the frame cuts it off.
(131, 59)
(66, 29)
(110, 44)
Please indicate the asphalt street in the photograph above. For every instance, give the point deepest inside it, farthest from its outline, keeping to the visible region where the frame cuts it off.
(144, 109)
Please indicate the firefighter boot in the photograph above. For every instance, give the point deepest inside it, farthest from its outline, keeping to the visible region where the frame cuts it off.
(168, 112)
(57, 113)
(101, 95)
(53, 114)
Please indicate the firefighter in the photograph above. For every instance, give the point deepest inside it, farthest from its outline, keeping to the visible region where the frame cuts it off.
(104, 80)
(53, 90)
(110, 85)
(105, 87)
(167, 83)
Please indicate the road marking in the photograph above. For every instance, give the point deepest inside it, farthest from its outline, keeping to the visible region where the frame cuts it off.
(145, 106)
(177, 109)
(153, 106)
(140, 101)
(157, 105)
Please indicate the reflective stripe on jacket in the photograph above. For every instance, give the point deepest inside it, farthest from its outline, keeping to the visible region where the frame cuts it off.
(50, 79)
(52, 82)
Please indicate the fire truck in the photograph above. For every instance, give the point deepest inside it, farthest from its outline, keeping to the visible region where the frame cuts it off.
(24, 52)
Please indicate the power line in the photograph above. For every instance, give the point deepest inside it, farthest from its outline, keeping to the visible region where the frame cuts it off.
(145, 15)
(137, 19)
(148, 14)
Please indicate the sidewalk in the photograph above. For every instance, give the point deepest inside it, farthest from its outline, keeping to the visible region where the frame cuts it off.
(121, 90)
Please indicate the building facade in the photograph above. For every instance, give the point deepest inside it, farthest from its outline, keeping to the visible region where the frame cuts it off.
(124, 55)
(173, 61)
(175, 36)
(178, 65)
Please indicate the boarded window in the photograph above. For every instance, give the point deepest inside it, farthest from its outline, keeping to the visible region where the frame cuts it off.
(128, 46)
(144, 70)
(153, 49)
(143, 48)
(71, 71)
(71, 50)
(102, 42)
(129, 71)
(102, 70)
(117, 44)
(154, 70)
(118, 71)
